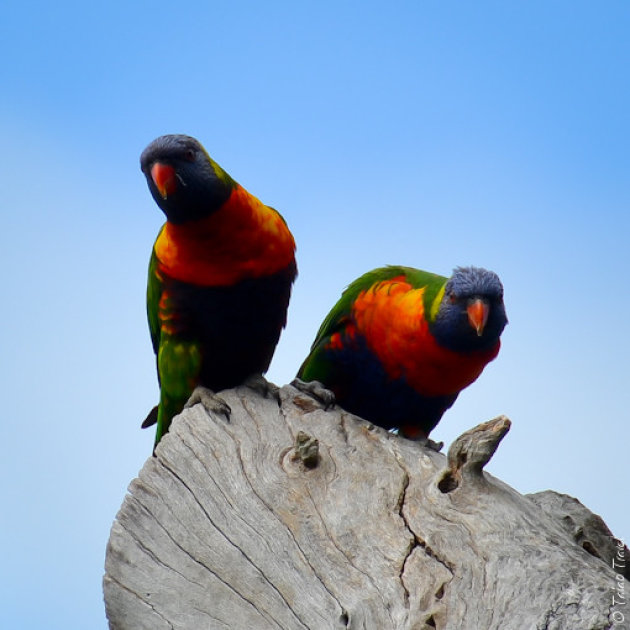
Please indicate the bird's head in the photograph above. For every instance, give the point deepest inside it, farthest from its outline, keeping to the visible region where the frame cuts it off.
(183, 179)
(471, 314)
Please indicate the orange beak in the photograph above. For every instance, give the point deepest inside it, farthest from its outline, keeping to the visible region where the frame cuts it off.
(478, 315)
(164, 179)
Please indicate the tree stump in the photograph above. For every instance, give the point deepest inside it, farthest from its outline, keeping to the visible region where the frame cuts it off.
(292, 517)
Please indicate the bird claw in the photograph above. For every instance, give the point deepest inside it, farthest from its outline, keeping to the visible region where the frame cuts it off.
(431, 444)
(262, 386)
(419, 439)
(211, 402)
(316, 390)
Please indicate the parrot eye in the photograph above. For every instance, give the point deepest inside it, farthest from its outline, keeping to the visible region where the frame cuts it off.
(190, 155)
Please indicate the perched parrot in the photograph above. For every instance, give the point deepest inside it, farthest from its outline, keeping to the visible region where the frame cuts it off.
(219, 282)
(401, 343)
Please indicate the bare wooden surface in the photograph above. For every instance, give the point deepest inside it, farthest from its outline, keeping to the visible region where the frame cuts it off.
(233, 527)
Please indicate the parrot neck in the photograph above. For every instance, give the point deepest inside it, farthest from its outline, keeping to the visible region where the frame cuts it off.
(243, 239)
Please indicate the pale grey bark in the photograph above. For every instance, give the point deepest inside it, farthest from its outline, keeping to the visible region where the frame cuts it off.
(231, 526)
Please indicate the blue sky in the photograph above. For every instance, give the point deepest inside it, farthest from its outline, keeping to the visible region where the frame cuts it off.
(429, 134)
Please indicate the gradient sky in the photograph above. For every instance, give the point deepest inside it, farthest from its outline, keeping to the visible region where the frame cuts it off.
(430, 134)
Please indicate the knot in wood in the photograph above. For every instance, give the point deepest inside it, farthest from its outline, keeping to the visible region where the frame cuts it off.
(474, 449)
(306, 449)
(471, 451)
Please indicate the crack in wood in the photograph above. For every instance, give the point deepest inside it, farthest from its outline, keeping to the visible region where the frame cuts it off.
(347, 557)
(263, 613)
(412, 545)
(140, 599)
(431, 553)
(289, 532)
(344, 430)
(416, 542)
(205, 613)
(152, 555)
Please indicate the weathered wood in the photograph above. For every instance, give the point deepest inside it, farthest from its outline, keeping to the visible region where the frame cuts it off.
(241, 525)
(587, 529)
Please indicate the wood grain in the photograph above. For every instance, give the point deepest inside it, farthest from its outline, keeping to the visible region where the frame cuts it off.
(230, 527)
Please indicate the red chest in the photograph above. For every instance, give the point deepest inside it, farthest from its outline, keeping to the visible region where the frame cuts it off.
(243, 239)
(391, 318)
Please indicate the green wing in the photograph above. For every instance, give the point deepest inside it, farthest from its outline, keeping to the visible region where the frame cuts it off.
(178, 361)
(335, 319)
(316, 366)
(154, 292)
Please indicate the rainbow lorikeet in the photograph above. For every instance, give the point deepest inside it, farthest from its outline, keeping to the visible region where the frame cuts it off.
(219, 282)
(401, 343)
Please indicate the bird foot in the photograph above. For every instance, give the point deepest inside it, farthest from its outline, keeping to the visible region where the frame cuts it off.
(316, 390)
(212, 403)
(262, 386)
(419, 438)
(431, 444)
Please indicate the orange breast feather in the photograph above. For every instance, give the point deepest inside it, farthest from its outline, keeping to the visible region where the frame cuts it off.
(390, 315)
(243, 239)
